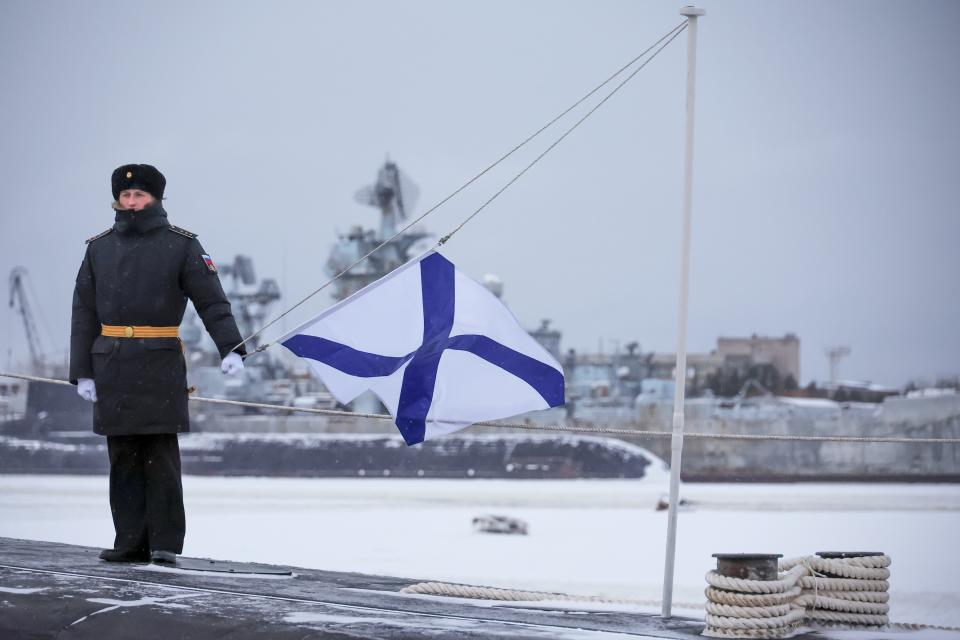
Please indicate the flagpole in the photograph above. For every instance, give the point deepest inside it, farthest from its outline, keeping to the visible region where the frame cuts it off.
(680, 375)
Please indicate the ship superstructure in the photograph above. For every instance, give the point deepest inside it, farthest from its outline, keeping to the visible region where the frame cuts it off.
(394, 195)
(269, 377)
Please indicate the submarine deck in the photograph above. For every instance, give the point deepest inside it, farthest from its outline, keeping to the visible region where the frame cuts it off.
(53, 590)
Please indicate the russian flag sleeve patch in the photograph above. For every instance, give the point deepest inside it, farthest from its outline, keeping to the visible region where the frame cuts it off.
(207, 260)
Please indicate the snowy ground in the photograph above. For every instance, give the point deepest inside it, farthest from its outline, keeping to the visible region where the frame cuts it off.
(595, 537)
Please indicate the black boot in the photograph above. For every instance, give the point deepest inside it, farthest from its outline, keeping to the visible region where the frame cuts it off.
(163, 557)
(124, 555)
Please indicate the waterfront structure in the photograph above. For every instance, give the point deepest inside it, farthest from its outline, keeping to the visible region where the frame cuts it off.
(742, 353)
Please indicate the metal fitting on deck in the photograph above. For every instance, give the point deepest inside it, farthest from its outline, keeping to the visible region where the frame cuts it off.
(748, 566)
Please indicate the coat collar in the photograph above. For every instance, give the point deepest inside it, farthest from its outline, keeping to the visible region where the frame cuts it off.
(140, 222)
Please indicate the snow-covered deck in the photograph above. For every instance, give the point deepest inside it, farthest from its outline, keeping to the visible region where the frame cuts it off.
(56, 590)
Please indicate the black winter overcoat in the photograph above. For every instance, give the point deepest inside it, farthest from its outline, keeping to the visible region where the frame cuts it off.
(141, 272)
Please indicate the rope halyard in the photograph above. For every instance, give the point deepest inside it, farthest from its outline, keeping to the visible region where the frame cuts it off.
(665, 40)
(556, 142)
(584, 429)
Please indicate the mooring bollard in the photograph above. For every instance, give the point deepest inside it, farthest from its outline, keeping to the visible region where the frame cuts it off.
(748, 566)
(752, 595)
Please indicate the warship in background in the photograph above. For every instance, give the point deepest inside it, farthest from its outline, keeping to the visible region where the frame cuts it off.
(394, 195)
(626, 388)
(272, 376)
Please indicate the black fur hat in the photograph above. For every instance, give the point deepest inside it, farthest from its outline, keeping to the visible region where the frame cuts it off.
(138, 176)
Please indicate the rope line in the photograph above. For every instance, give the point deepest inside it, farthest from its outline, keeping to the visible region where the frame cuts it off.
(673, 33)
(585, 428)
(452, 590)
(561, 138)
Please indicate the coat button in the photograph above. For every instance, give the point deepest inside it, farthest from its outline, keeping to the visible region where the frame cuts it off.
(128, 331)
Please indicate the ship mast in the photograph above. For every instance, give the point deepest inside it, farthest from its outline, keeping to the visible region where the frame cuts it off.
(395, 196)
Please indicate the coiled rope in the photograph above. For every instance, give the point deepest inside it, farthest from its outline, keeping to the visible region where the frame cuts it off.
(860, 600)
(583, 428)
(740, 608)
(812, 591)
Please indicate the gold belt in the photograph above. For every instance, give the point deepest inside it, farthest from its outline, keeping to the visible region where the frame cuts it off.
(113, 331)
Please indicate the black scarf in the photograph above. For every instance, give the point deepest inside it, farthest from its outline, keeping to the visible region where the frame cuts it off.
(128, 222)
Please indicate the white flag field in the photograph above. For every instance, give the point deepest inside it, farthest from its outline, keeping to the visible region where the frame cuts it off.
(439, 350)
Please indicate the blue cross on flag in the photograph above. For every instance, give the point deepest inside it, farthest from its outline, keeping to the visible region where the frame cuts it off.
(438, 349)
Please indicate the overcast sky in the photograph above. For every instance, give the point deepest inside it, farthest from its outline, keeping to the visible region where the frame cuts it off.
(826, 173)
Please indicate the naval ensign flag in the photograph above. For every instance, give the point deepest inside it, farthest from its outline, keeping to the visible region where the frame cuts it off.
(438, 348)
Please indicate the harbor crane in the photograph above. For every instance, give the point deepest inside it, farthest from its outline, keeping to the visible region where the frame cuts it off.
(18, 294)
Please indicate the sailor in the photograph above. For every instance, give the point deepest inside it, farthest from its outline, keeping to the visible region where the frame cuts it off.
(126, 357)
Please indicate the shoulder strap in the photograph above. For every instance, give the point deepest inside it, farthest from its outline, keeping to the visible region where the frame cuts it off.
(99, 235)
(182, 232)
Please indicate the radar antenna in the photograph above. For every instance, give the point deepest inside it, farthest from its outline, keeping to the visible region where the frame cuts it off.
(393, 193)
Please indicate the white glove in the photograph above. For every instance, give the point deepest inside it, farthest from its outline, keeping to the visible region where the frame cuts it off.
(232, 364)
(86, 389)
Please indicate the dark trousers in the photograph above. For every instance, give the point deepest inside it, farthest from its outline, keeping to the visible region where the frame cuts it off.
(146, 495)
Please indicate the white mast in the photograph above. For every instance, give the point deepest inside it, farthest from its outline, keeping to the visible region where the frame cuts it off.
(680, 378)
